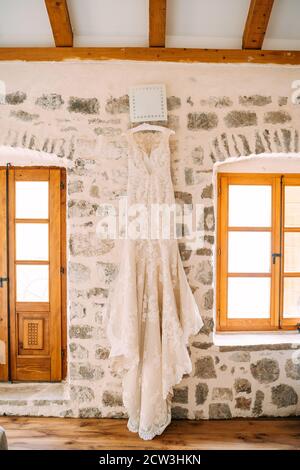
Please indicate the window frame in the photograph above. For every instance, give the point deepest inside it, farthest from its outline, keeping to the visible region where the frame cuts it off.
(287, 180)
(277, 229)
(21, 366)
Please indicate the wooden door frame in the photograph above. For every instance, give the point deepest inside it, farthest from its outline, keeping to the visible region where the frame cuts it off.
(4, 320)
(57, 196)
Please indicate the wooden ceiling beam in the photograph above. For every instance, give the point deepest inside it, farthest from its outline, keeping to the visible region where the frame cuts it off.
(157, 23)
(60, 22)
(151, 54)
(256, 23)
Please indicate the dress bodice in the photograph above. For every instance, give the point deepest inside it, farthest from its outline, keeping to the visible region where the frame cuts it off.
(149, 176)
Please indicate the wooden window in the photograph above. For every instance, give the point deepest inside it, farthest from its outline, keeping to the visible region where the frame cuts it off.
(32, 257)
(258, 252)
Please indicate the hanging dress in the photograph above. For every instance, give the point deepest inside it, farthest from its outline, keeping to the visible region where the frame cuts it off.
(151, 308)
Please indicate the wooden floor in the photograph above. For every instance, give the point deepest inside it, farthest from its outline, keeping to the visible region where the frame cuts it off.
(68, 433)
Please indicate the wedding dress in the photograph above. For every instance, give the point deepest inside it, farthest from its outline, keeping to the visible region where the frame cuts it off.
(151, 309)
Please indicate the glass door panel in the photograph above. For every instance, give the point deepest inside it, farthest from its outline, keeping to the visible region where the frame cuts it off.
(32, 199)
(250, 206)
(249, 297)
(32, 242)
(292, 206)
(249, 252)
(291, 305)
(32, 283)
(291, 250)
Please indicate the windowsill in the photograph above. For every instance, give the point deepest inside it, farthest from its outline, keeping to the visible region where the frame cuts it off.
(34, 391)
(256, 338)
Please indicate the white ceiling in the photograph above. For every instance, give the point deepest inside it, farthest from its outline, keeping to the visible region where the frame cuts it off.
(190, 23)
(24, 23)
(284, 26)
(202, 23)
(109, 22)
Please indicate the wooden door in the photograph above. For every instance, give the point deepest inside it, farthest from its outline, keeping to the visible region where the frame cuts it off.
(4, 356)
(35, 274)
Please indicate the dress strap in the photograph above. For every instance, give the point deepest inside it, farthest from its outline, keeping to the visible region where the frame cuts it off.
(149, 127)
(164, 131)
(168, 132)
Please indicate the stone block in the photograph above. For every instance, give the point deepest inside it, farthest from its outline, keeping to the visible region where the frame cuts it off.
(292, 368)
(222, 393)
(243, 403)
(173, 102)
(255, 100)
(181, 395)
(204, 273)
(117, 105)
(101, 352)
(178, 412)
(240, 119)
(242, 385)
(24, 115)
(265, 370)
(201, 393)
(89, 412)
(205, 368)
(283, 396)
(277, 117)
(202, 121)
(258, 403)
(83, 105)
(16, 97)
(50, 101)
(219, 411)
(81, 331)
(79, 272)
(112, 399)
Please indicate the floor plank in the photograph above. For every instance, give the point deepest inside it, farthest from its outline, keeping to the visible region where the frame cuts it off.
(69, 433)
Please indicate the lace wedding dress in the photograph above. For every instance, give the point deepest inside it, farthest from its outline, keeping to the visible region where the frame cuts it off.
(151, 309)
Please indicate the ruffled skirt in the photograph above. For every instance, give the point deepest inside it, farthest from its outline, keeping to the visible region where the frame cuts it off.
(151, 314)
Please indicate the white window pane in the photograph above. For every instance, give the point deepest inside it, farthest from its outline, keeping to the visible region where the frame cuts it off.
(32, 242)
(249, 252)
(250, 206)
(291, 297)
(292, 252)
(32, 199)
(249, 297)
(32, 283)
(292, 206)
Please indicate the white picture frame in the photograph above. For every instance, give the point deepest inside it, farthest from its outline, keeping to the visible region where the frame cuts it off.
(148, 103)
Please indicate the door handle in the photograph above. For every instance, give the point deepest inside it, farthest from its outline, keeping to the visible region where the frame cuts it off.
(274, 256)
(3, 279)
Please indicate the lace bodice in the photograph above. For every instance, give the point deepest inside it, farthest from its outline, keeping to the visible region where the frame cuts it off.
(149, 176)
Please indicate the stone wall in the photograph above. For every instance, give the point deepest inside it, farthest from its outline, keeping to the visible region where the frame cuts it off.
(79, 111)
